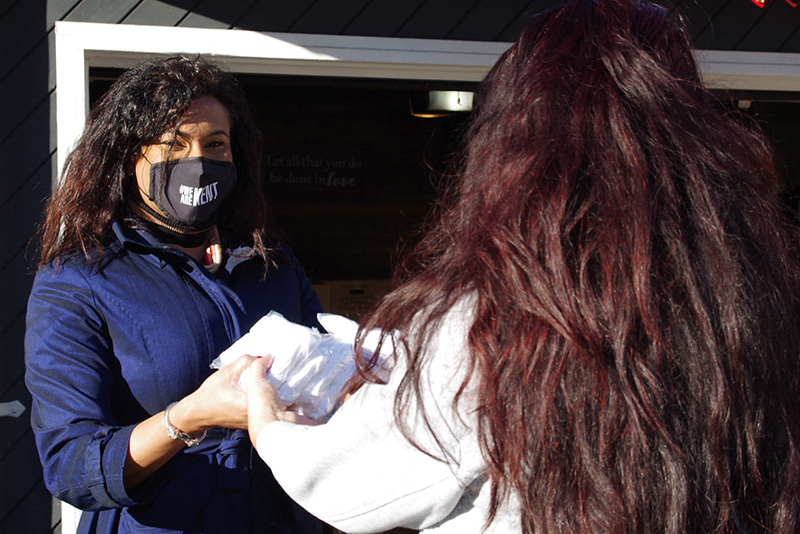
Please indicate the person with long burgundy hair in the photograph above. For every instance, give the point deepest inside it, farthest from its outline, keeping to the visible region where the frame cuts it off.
(599, 334)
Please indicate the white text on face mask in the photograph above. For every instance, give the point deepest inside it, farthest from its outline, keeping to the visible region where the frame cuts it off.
(197, 196)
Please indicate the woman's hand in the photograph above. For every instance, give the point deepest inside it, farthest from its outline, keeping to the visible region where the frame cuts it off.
(264, 405)
(219, 402)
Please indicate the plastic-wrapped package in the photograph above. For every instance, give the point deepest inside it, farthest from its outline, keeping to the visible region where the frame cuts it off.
(310, 369)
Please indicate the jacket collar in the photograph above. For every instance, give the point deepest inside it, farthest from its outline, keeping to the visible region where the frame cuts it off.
(139, 240)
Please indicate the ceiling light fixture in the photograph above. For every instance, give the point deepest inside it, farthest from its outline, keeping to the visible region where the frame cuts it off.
(433, 104)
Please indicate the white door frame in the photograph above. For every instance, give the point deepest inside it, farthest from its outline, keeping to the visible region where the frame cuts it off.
(81, 45)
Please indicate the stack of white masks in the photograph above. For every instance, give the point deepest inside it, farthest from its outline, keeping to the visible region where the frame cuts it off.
(310, 369)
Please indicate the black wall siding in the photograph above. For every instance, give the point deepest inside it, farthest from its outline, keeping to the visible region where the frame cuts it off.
(382, 17)
(216, 14)
(435, 19)
(24, 86)
(699, 14)
(153, 12)
(5, 6)
(328, 17)
(108, 11)
(487, 20)
(17, 42)
(737, 19)
(774, 30)
(792, 44)
(272, 16)
(28, 145)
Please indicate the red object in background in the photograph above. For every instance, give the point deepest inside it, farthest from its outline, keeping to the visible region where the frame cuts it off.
(762, 3)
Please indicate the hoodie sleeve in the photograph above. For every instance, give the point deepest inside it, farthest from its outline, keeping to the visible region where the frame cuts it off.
(359, 473)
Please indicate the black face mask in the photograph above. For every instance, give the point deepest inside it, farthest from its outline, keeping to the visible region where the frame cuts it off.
(191, 190)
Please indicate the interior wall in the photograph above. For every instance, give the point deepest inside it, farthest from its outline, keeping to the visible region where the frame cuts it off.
(350, 172)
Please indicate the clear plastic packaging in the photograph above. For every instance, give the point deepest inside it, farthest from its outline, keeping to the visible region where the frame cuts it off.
(310, 369)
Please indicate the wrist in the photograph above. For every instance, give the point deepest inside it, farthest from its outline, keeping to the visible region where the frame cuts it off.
(258, 422)
(177, 434)
(185, 415)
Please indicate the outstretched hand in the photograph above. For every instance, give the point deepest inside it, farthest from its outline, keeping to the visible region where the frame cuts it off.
(264, 405)
(219, 401)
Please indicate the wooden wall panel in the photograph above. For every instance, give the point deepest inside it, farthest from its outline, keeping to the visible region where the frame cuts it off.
(272, 16)
(31, 515)
(27, 143)
(108, 11)
(488, 19)
(328, 17)
(436, 18)
(58, 10)
(534, 6)
(27, 73)
(382, 17)
(6, 6)
(10, 345)
(792, 44)
(17, 39)
(25, 504)
(216, 14)
(18, 461)
(774, 28)
(22, 213)
(700, 14)
(26, 150)
(155, 13)
(14, 429)
(737, 19)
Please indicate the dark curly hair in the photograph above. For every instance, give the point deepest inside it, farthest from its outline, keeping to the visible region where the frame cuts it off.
(98, 182)
(637, 318)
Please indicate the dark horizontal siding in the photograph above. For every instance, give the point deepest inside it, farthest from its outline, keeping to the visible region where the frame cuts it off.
(154, 12)
(27, 147)
(773, 31)
(272, 16)
(216, 14)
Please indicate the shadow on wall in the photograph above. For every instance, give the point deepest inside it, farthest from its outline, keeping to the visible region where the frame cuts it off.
(26, 158)
(485, 20)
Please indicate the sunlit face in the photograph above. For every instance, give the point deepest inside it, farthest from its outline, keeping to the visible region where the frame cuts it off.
(204, 131)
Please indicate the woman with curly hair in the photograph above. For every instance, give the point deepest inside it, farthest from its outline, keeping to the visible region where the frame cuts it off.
(156, 254)
(599, 335)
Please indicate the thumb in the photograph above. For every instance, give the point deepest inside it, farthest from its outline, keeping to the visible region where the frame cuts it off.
(263, 401)
(260, 389)
(259, 368)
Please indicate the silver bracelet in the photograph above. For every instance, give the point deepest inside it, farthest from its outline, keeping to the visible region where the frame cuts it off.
(174, 433)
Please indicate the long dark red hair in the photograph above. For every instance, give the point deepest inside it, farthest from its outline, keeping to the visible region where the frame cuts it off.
(635, 339)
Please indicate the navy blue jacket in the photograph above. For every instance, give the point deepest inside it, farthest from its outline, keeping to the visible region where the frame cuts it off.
(107, 348)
